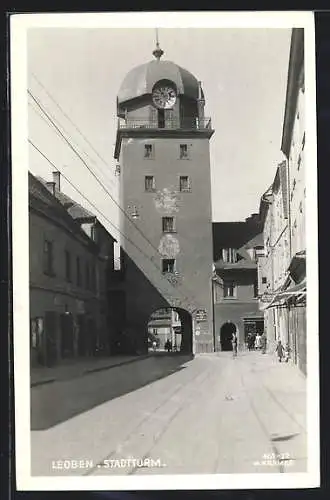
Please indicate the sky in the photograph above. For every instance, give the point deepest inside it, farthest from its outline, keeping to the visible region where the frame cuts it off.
(243, 73)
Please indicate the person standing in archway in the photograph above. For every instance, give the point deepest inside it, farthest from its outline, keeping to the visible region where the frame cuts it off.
(234, 344)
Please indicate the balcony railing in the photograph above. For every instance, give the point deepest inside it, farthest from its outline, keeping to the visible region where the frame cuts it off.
(167, 124)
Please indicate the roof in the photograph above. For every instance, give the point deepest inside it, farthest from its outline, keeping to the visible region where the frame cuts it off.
(74, 209)
(141, 79)
(232, 235)
(56, 211)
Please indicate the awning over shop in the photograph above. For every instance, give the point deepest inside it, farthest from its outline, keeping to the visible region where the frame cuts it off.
(297, 268)
(296, 291)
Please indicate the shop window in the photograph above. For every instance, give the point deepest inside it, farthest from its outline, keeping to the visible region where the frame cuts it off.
(229, 255)
(67, 266)
(78, 271)
(87, 276)
(184, 184)
(255, 289)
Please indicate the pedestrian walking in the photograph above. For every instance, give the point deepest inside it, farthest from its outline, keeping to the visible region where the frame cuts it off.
(280, 351)
(168, 345)
(154, 345)
(287, 352)
(258, 341)
(234, 344)
(263, 343)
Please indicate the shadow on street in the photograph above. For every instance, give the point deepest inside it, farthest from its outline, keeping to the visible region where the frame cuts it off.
(54, 403)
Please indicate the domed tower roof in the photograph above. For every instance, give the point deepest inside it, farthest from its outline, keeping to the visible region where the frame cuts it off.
(141, 79)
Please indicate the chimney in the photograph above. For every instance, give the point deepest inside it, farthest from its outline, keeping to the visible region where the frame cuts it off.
(51, 187)
(57, 180)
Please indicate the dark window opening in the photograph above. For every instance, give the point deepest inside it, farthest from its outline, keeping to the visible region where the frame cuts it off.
(168, 224)
(263, 280)
(184, 184)
(148, 151)
(161, 118)
(168, 265)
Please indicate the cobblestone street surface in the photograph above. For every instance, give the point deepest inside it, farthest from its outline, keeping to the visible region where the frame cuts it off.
(170, 415)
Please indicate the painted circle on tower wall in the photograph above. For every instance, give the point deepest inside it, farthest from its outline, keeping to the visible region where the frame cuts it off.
(166, 200)
(169, 246)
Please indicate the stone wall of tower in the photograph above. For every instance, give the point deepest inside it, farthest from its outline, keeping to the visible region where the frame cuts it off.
(190, 245)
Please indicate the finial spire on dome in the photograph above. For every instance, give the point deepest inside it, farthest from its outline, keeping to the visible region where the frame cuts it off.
(158, 52)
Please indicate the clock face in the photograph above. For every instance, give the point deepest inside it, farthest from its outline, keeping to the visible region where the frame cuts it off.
(164, 96)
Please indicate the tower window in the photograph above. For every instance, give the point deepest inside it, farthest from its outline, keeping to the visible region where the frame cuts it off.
(264, 280)
(148, 151)
(184, 184)
(168, 265)
(168, 225)
(149, 183)
(184, 152)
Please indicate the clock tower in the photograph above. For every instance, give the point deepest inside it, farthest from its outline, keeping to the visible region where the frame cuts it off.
(162, 150)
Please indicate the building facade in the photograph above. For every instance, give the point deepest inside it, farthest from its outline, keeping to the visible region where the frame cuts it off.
(282, 210)
(165, 325)
(273, 265)
(162, 150)
(67, 288)
(237, 246)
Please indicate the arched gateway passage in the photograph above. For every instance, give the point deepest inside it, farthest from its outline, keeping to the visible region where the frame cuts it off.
(170, 329)
(226, 332)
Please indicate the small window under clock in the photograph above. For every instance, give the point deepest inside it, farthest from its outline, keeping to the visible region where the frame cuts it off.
(148, 151)
(184, 152)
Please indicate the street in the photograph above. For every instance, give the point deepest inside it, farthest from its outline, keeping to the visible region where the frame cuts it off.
(170, 415)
